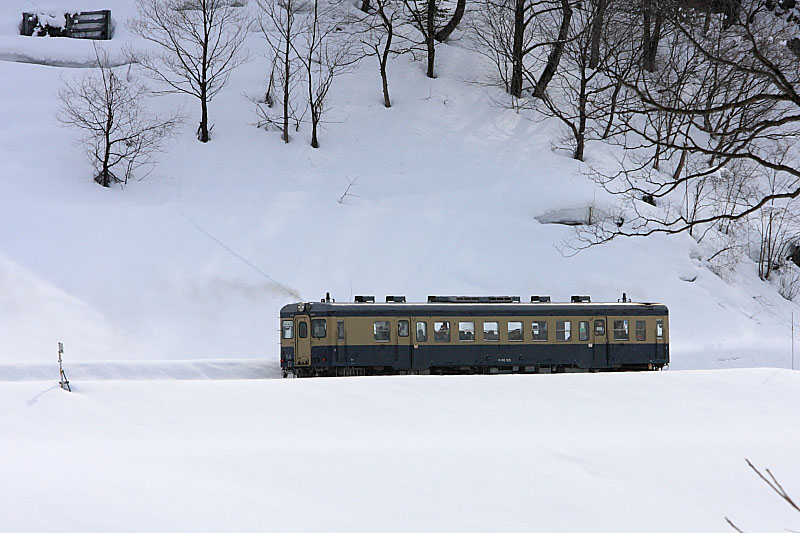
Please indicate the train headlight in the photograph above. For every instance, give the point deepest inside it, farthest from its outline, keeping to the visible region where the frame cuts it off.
(300, 307)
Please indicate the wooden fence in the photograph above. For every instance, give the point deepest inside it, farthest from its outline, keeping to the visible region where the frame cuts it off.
(84, 25)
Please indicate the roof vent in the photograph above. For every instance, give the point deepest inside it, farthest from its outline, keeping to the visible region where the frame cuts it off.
(540, 299)
(396, 299)
(365, 299)
(581, 299)
(473, 299)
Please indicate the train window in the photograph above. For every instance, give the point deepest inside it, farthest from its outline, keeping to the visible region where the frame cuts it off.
(380, 330)
(491, 331)
(441, 331)
(402, 328)
(621, 330)
(340, 330)
(422, 332)
(563, 330)
(641, 330)
(660, 329)
(599, 328)
(583, 331)
(288, 329)
(515, 331)
(319, 328)
(302, 330)
(466, 331)
(539, 330)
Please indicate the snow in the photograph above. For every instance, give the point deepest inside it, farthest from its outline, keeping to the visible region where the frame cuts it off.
(196, 260)
(166, 296)
(633, 452)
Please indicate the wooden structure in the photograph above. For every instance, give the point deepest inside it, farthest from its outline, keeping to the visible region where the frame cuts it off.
(83, 25)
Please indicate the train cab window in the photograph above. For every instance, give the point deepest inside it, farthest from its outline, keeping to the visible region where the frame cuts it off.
(319, 328)
(583, 331)
(466, 331)
(441, 331)
(641, 330)
(491, 331)
(402, 328)
(539, 329)
(302, 330)
(422, 332)
(380, 330)
(288, 329)
(515, 331)
(340, 330)
(563, 330)
(621, 330)
(660, 329)
(599, 328)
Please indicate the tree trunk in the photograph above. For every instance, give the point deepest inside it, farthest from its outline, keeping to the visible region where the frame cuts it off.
(613, 109)
(429, 39)
(555, 54)
(597, 32)
(314, 141)
(383, 59)
(203, 130)
(654, 40)
(105, 174)
(580, 137)
(287, 71)
(365, 6)
(516, 50)
(650, 40)
(445, 32)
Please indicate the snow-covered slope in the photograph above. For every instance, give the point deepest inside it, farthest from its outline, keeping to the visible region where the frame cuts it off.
(196, 260)
(637, 452)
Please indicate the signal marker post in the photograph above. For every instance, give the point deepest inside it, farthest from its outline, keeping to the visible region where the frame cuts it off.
(63, 381)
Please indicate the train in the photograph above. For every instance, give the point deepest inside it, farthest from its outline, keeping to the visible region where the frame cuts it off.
(471, 335)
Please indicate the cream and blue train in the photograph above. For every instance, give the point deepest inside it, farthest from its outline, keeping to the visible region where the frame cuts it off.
(471, 335)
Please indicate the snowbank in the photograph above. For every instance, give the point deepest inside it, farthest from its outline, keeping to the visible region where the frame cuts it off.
(144, 370)
(649, 452)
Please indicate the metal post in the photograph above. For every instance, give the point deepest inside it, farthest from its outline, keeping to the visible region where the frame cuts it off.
(63, 381)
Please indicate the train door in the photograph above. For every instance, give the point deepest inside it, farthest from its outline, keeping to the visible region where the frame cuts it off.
(302, 348)
(600, 344)
(404, 344)
(659, 336)
(341, 343)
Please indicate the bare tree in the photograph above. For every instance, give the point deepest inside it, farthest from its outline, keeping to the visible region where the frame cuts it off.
(582, 95)
(376, 31)
(326, 55)
(201, 43)
(116, 132)
(773, 483)
(512, 33)
(423, 15)
(739, 99)
(444, 33)
(281, 23)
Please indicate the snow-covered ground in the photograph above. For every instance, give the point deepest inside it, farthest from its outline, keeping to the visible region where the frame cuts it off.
(166, 296)
(649, 452)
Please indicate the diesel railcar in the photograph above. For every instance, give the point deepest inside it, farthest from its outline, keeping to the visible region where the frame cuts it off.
(471, 335)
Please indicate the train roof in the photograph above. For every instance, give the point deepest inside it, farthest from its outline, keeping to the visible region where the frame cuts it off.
(473, 309)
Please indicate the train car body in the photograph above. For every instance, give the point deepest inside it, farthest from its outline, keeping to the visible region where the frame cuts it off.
(463, 335)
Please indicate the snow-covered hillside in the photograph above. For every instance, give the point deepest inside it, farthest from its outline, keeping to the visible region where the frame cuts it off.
(605, 453)
(195, 260)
